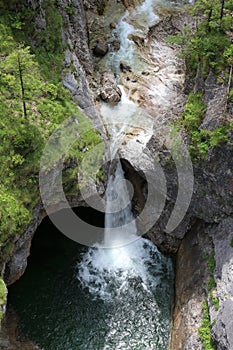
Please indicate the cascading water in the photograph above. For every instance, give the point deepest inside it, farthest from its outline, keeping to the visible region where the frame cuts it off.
(137, 22)
(134, 280)
(115, 298)
(130, 275)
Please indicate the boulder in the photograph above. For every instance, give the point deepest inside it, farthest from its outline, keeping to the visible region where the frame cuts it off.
(125, 67)
(112, 25)
(101, 47)
(109, 91)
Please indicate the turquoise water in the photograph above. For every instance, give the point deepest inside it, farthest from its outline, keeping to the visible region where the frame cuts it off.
(58, 311)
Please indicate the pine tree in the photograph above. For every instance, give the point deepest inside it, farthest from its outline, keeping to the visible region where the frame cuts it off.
(19, 73)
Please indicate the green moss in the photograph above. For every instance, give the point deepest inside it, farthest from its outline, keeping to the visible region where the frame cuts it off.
(211, 263)
(3, 295)
(211, 284)
(215, 300)
(231, 242)
(205, 330)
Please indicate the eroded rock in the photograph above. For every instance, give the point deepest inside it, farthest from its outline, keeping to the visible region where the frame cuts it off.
(109, 91)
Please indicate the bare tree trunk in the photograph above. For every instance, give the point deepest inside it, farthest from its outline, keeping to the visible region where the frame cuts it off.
(222, 9)
(229, 81)
(22, 87)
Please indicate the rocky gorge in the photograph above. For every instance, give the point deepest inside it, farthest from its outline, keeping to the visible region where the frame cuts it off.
(158, 83)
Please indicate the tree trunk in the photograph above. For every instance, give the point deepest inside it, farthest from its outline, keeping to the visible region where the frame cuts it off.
(22, 87)
(222, 9)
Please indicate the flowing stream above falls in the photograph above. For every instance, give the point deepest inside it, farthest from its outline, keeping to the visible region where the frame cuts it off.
(75, 298)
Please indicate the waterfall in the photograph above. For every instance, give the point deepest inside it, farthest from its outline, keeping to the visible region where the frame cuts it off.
(120, 227)
(123, 255)
(127, 272)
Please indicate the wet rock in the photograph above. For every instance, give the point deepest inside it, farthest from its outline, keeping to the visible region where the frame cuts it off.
(137, 38)
(145, 72)
(115, 45)
(109, 91)
(125, 67)
(131, 3)
(112, 25)
(101, 47)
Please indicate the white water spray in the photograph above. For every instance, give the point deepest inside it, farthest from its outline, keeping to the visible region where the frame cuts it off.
(120, 227)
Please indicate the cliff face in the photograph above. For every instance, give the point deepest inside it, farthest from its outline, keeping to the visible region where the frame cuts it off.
(207, 226)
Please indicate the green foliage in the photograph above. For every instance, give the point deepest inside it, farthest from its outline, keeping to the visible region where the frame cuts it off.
(215, 300)
(229, 5)
(201, 140)
(210, 262)
(211, 284)
(48, 104)
(48, 47)
(232, 242)
(69, 9)
(208, 46)
(205, 330)
(13, 216)
(194, 111)
(219, 136)
(3, 294)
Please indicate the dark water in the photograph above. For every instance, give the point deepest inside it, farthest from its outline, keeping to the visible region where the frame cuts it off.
(58, 312)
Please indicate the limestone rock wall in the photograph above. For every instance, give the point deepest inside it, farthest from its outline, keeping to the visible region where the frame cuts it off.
(190, 273)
